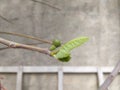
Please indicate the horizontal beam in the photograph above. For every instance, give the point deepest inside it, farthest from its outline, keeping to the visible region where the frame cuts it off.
(45, 69)
(79, 69)
(40, 69)
(10, 69)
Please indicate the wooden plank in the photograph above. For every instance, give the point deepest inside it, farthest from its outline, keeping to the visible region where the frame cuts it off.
(45, 69)
(107, 69)
(40, 69)
(60, 79)
(19, 78)
(8, 69)
(79, 69)
(100, 76)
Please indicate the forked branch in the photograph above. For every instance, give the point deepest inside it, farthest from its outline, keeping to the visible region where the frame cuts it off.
(12, 44)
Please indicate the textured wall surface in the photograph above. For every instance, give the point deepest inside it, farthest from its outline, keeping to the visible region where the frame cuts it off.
(97, 19)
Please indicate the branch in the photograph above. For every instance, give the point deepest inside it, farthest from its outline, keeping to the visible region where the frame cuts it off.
(12, 44)
(1, 86)
(26, 36)
(6, 47)
(110, 78)
(5, 19)
(41, 2)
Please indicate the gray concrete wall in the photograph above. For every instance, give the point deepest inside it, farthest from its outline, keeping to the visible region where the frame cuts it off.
(97, 19)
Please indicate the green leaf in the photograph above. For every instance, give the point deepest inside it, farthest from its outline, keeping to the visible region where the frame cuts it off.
(67, 47)
(73, 44)
(61, 54)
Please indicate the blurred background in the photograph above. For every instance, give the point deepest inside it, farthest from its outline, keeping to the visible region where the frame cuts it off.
(62, 19)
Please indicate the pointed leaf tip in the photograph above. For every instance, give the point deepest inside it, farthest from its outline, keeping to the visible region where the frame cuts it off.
(64, 52)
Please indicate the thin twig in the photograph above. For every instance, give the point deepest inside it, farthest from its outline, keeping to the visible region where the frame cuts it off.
(12, 44)
(5, 19)
(3, 48)
(1, 86)
(41, 2)
(110, 78)
(26, 36)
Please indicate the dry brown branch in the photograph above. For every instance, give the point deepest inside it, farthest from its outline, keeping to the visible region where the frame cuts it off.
(1, 86)
(6, 47)
(12, 44)
(110, 78)
(26, 36)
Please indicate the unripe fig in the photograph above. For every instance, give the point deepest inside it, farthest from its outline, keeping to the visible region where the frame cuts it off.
(66, 59)
(56, 42)
(53, 47)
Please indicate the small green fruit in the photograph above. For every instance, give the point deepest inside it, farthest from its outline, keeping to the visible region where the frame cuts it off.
(66, 59)
(53, 47)
(56, 42)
